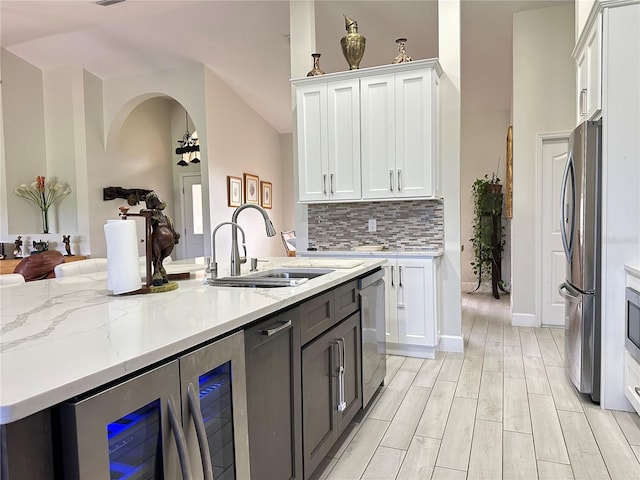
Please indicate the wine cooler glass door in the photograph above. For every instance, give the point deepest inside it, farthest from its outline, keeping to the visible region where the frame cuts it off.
(124, 432)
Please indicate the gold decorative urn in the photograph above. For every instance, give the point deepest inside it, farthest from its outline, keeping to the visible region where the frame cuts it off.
(353, 44)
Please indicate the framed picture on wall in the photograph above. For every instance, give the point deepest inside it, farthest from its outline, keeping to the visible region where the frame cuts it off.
(265, 194)
(234, 191)
(251, 188)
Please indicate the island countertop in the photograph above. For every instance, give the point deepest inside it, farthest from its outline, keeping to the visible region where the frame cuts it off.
(65, 336)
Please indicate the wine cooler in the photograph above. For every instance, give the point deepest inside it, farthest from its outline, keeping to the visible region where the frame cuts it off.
(184, 419)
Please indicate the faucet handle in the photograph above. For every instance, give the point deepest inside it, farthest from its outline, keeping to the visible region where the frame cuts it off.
(243, 259)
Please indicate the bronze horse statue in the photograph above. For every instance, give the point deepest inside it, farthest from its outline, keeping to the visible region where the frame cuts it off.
(163, 236)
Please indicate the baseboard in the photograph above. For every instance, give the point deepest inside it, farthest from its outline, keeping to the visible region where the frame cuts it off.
(524, 320)
(451, 343)
(417, 351)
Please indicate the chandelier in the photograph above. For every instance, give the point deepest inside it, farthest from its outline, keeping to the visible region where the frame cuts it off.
(189, 147)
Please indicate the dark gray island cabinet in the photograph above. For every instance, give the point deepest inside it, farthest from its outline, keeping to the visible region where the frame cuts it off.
(266, 399)
(303, 383)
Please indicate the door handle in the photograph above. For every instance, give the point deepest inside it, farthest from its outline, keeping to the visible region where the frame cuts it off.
(391, 180)
(273, 331)
(562, 288)
(181, 442)
(567, 243)
(201, 432)
(342, 405)
(399, 180)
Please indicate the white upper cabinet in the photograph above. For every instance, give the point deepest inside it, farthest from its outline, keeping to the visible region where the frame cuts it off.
(369, 134)
(588, 55)
(328, 124)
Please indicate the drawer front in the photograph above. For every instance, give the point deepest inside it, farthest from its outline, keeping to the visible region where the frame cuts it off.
(316, 316)
(347, 300)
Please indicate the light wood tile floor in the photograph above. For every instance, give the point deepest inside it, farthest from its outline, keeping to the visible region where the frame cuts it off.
(503, 409)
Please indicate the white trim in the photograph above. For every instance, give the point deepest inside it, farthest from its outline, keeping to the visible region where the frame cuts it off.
(418, 351)
(541, 138)
(524, 320)
(598, 6)
(451, 343)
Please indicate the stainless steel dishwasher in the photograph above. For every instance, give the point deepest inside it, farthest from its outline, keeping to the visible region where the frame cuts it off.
(374, 349)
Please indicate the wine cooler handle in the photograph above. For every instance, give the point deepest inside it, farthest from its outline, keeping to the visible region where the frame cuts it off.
(201, 432)
(181, 443)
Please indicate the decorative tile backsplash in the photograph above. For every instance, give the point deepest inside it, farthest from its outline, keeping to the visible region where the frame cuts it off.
(401, 225)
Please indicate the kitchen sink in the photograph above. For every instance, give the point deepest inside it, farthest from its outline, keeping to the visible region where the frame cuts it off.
(290, 273)
(277, 277)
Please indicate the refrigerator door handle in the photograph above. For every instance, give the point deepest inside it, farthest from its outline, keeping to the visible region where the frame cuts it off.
(567, 243)
(562, 288)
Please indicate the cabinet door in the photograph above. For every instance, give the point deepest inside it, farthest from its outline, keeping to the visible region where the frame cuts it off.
(344, 140)
(377, 103)
(594, 72)
(416, 127)
(391, 301)
(313, 157)
(347, 334)
(581, 86)
(416, 302)
(274, 397)
(319, 419)
(216, 374)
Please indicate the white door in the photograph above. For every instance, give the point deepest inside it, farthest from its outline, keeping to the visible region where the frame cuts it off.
(377, 130)
(415, 138)
(414, 281)
(391, 300)
(553, 152)
(344, 139)
(193, 234)
(313, 155)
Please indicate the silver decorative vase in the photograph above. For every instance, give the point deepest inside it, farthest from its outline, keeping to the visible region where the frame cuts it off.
(353, 44)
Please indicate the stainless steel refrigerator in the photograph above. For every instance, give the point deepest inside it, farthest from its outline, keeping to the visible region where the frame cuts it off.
(580, 231)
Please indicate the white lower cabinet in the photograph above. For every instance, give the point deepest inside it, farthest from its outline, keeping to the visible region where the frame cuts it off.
(413, 323)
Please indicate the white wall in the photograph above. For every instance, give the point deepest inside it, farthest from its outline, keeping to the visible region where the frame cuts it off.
(140, 157)
(620, 189)
(543, 101)
(483, 142)
(240, 141)
(288, 183)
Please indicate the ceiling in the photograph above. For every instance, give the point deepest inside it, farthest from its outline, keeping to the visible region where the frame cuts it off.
(246, 43)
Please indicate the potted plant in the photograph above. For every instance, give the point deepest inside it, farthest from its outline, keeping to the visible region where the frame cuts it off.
(488, 233)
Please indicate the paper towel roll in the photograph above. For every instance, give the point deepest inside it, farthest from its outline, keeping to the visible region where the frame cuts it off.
(123, 271)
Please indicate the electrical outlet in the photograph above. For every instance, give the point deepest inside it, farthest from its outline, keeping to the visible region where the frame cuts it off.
(372, 224)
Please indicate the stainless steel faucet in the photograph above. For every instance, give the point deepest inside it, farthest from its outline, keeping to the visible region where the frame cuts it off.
(213, 266)
(236, 260)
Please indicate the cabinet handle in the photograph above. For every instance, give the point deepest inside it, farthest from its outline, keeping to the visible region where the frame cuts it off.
(637, 389)
(399, 182)
(400, 274)
(393, 283)
(273, 331)
(201, 432)
(324, 183)
(583, 97)
(181, 443)
(342, 405)
(391, 180)
(331, 183)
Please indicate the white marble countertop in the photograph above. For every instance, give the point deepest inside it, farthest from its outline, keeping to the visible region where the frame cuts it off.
(632, 269)
(427, 252)
(62, 337)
